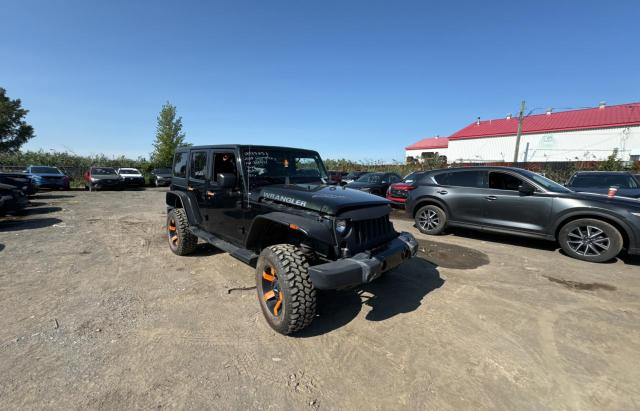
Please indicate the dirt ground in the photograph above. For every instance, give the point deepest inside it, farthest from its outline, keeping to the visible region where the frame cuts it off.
(97, 313)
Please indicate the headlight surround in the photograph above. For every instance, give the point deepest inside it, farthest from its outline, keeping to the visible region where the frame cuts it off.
(342, 227)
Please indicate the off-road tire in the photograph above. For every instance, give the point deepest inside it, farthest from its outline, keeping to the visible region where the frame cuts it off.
(295, 291)
(181, 240)
(573, 238)
(431, 220)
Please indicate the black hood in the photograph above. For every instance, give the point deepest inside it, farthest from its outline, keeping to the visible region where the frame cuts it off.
(322, 198)
(602, 198)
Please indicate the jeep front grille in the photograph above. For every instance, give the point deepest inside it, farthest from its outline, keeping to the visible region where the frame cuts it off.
(367, 234)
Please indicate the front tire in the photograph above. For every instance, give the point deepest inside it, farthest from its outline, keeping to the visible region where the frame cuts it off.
(431, 220)
(590, 240)
(181, 240)
(285, 292)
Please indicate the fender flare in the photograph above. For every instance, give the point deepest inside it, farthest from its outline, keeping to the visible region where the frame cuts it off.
(595, 213)
(311, 228)
(429, 199)
(180, 199)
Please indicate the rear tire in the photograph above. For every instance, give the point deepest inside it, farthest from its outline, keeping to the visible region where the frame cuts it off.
(589, 239)
(181, 240)
(285, 292)
(431, 220)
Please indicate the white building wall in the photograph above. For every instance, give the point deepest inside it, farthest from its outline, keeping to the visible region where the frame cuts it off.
(582, 145)
(417, 154)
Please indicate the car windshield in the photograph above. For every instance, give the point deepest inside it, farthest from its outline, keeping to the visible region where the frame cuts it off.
(547, 184)
(266, 166)
(371, 178)
(45, 170)
(103, 171)
(353, 176)
(129, 171)
(604, 181)
(162, 171)
(410, 178)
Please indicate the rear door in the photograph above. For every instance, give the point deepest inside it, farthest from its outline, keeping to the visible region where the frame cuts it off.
(463, 191)
(506, 208)
(198, 183)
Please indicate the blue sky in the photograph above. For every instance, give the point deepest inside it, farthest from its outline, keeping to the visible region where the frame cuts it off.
(355, 79)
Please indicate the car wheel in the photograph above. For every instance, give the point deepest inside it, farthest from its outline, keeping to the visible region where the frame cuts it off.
(591, 240)
(431, 220)
(181, 240)
(285, 292)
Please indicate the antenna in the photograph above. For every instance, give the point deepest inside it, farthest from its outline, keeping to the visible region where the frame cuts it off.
(248, 177)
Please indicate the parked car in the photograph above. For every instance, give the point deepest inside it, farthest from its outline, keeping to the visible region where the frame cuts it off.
(375, 183)
(397, 192)
(628, 185)
(21, 181)
(12, 199)
(590, 227)
(48, 177)
(300, 235)
(353, 176)
(98, 178)
(131, 177)
(160, 177)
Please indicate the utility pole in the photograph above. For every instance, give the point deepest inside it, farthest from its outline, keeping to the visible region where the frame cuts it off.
(519, 134)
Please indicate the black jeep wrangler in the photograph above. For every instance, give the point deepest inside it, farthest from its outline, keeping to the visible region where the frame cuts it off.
(272, 207)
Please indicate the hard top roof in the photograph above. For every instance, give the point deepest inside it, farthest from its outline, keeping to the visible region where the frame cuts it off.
(240, 146)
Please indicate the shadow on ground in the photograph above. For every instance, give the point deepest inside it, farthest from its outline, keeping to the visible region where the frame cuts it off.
(41, 210)
(32, 224)
(399, 291)
(52, 196)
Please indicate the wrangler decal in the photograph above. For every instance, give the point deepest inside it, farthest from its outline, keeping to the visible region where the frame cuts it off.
(285, 199)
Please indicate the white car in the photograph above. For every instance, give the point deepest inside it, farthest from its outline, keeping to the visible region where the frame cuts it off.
(131, 177)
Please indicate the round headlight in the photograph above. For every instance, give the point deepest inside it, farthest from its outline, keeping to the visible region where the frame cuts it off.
(341, 226)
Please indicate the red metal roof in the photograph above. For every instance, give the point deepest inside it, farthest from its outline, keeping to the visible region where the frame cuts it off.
(429, 143)
(609, 116)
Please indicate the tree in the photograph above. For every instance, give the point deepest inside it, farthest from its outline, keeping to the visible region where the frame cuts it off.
(14, 131)
(613, 163)
(169, 136)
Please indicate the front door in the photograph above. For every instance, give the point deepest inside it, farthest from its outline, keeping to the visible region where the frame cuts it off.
(226, 215)
(507, 208)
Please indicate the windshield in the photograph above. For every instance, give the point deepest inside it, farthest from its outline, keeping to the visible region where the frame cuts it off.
(162, 171)
(45, 170)
(412, 177)
(353, 176)
(604, 181)
(129, 171)
(103, 171)
(547, 184)
(264, 166)
(371, 178)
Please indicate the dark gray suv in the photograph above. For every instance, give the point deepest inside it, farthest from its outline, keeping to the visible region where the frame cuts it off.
(590, 227)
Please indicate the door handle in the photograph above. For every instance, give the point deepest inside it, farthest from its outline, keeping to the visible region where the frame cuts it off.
(189, 188)
(210, 193)
(491, 198)
(442, 192)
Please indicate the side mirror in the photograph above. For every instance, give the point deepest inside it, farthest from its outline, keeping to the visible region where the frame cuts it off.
(226, 180)
(526, 189)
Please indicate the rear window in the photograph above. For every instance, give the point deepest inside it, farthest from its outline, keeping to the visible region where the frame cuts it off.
(604, 181)
(469, 178)
(180, 165)
(101, 171)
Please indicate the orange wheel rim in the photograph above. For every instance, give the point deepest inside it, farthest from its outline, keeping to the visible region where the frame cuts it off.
(172, 232)
(272, 296)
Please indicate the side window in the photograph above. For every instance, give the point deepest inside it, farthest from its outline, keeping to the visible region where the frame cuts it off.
(198, 165)
(394, 178)
(465, 179)
(180, 165)
(442, 179)
(503, 181)
(223, 163)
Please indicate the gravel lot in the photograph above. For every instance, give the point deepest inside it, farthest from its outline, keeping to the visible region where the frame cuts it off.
(97, 313)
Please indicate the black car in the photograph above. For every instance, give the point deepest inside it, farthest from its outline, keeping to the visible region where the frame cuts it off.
(160, 177)
(353, 176)
(590, 227)
(271, 207)
(628, 185)
(12, 199)
(375, 183)
(21, 181)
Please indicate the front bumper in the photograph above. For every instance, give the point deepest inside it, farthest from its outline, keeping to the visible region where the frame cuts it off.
(133, 181)
(363, 267)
